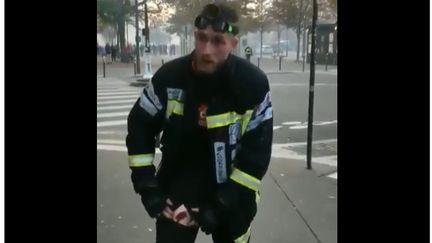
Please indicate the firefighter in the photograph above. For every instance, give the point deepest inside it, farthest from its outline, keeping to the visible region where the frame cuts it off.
(215, 114)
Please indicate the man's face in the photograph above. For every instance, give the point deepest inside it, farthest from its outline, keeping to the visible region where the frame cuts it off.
(212, 48)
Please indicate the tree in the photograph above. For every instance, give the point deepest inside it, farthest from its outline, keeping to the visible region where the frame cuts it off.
(292, 14)
(115, 13)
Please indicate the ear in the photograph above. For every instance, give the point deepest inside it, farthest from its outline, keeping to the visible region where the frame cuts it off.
(234, 42)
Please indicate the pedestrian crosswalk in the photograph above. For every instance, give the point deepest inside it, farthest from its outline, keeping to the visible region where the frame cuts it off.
(114, 101)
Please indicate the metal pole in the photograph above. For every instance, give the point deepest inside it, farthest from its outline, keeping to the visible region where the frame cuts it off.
(311, 88)
(135, 68)
(103, 66)
(280, 62)
(147, 54)
(137, 40)
(258, 61)
(261, 41)
(162, 61)
(304, 43)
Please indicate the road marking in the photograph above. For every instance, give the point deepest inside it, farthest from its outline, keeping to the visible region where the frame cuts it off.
(282, 151)
(112, 114)
(111, 123)
(111, 141)
(324, 123)
(111, 147)
(334, 176)
(117, 97)
(118, 107)
(291, 123)
(276, 127)
(116, 102)
(106, 132)
(316, 123)
(313, 142)
(117, 93)
(298, 127)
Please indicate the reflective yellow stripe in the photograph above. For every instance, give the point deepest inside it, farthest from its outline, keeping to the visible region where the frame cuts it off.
(244, 238)
(245, 120)
(222, 120)
(174, 106)
(245, 179)
(140, 160)
(257, 198)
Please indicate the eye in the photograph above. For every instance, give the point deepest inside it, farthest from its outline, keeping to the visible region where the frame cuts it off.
(218, 40)
(202, 37)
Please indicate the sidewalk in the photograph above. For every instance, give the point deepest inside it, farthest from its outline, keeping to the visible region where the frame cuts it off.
(268, 64)
(297, 205)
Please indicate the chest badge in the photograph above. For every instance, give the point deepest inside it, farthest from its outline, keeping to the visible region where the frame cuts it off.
(202, 111)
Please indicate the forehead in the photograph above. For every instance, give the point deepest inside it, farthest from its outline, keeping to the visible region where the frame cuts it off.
(209, 32)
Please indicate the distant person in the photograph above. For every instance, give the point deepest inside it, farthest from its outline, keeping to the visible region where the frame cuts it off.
(107, 49)
(248, 52)
(113, 53)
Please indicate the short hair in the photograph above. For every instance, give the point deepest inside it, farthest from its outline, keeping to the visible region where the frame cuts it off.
(223, 11)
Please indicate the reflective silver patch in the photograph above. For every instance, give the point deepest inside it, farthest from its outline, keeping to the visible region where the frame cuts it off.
(221, 174)
(147, 105)
(175, 94)
(234, 132)
(153, 97)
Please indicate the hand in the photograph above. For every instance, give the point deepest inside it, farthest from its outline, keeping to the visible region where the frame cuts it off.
(168, 212)
(208, 218)
(183, 217)
(153, 201)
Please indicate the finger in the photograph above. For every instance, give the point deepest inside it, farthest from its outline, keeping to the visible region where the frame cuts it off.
(196, 210)
(169, 202)
(167, 215)
(168, 210)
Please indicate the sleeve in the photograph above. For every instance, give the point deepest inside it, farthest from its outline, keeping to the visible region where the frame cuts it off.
(254, 151)
(145, 121)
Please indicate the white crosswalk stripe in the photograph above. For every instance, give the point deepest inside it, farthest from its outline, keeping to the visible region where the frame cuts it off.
(117, 97)
(114, 101)
(113, 114)
(115, 107)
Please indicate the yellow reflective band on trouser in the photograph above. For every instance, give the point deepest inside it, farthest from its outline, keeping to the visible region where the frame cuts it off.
(245, 120)
(222, 120)
(245, 179)
(174, 106)
(244, 238)
(140, 160)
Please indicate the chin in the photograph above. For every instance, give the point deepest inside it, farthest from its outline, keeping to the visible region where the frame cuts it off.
(207, 68)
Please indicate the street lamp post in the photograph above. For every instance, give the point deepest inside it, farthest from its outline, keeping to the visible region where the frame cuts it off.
(147, 55)
(311, 88)
(137, 40)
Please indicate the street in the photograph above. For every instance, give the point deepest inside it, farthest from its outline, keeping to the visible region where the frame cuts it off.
(297, 205)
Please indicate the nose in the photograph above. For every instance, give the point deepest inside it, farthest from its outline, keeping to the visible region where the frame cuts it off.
(208, 48)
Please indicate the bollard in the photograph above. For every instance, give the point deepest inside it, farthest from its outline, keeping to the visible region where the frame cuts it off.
(280, 63)
(163, 61)
(103, 67)
(258, 61)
